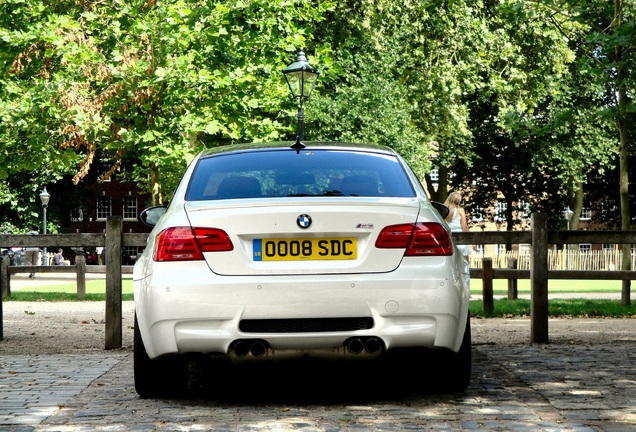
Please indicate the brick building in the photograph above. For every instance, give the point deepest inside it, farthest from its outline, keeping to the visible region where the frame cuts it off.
(112, 198)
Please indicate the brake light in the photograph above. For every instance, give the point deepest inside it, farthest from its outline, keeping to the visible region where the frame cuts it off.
(188, 244)
(420, 239)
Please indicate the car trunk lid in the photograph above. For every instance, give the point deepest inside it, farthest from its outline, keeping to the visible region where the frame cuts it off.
(313, 236)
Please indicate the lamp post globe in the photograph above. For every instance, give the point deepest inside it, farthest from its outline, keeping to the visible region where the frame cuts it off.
(567, 214)
(301, 79)
(44, 198)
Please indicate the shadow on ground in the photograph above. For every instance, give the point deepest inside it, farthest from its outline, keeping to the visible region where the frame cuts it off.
(310, 383)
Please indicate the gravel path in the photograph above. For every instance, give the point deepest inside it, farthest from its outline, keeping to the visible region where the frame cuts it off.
(60, 327)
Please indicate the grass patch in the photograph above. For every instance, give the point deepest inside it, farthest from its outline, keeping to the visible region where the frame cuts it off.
(557, 308)
(49, 296)
(500, 286)
(60, 292)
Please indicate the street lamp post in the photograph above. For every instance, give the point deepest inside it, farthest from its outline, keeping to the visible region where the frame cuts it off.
(567, 214)
(85, 216)
(44, 197)
(498, 223)
(301, 78)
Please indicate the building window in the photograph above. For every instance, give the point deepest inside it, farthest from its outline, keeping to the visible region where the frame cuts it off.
(586, 214)
(523, 210)
(500, 212)
(478, 214)
(130, 207)
(609, 246)
(585, 247)
(77, 215)
(104, 207)
(129, 254)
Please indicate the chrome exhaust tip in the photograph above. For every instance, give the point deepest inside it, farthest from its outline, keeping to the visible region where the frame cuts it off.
(355, 346)
(372, 345)
(241, 349)
(258, 349)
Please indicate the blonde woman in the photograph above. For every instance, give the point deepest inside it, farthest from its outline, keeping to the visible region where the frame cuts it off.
(457, 219)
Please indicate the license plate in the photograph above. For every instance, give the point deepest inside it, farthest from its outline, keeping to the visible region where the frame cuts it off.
(305, 249)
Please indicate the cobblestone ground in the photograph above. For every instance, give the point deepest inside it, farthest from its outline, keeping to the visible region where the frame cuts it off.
(521, 388)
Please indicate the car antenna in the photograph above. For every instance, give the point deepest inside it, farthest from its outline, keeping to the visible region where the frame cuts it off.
(298, 146)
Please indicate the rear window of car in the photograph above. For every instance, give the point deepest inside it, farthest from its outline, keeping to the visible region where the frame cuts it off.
(286, 173)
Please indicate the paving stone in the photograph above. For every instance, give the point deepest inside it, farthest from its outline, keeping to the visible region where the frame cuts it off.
(515, 388)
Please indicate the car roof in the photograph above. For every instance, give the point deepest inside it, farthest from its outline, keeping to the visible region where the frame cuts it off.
(290, 145)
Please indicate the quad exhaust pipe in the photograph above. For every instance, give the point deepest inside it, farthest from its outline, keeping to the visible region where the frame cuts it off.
(255, 350)
(370, 345)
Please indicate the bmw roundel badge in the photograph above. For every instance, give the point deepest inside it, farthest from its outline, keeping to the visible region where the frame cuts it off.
(303, 221)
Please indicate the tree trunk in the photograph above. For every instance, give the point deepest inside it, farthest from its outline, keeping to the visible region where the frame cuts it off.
(621, 121)
(155, 185)
(441, 193)
(575, 201)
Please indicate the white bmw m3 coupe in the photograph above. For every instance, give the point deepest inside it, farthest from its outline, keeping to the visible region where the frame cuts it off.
(283, 251)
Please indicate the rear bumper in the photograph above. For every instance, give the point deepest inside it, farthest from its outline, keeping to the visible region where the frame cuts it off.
(190, 315)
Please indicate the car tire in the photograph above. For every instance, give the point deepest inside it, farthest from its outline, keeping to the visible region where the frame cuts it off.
(158, 377)
(458, 366)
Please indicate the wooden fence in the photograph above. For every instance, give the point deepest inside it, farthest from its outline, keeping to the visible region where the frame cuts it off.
(560, 259)
(539, 238)
(113, 239)
(538, 266)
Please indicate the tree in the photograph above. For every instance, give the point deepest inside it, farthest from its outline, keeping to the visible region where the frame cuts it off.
(607, 41)
(496, 94)
(513, 152)
(144, 82)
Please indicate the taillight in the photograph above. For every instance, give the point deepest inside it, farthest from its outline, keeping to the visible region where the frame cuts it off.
(188, 244)
(421, 239)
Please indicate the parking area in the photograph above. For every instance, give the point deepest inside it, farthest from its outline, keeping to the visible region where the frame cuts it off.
(516, 388)
(584, 380)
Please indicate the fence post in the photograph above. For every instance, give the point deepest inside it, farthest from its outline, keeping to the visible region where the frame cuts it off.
(627, 264)
(539, 279)
(487, 284)
(4, 276)
(80, 269)
(4, 269)
(113, 282)
(512, 282)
